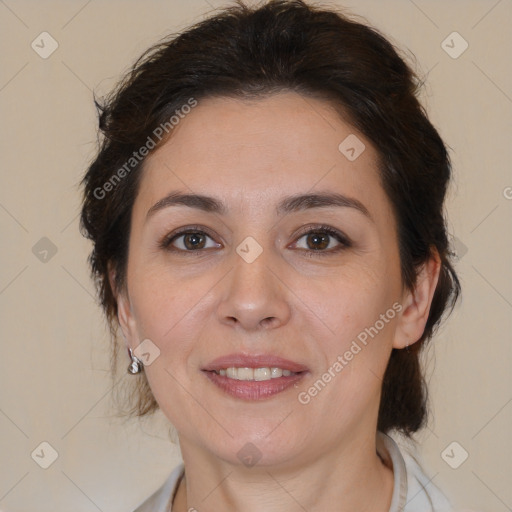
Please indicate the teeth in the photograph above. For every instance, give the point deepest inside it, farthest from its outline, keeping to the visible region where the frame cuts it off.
(256, 374)
(276, 372)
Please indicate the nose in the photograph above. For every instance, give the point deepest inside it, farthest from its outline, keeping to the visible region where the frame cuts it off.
(255, 295)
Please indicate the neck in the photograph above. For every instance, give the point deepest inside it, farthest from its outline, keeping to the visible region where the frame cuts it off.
(352, 477)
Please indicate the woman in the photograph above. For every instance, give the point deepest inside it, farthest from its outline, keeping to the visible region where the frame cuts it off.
(266, 211)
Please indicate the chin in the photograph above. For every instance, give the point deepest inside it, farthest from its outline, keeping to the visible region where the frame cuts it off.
(259, 445)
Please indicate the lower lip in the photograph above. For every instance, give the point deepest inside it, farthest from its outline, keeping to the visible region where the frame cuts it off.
(253, 389)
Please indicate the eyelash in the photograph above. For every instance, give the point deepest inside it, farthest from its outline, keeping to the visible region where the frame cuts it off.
(166, 242)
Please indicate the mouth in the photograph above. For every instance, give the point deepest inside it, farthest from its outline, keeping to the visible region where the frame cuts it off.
(254, 374)
(254, 377)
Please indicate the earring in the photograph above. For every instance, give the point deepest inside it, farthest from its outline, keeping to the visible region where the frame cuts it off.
(135, 365)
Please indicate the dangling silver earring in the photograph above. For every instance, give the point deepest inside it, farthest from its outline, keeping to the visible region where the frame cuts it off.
(135, 365)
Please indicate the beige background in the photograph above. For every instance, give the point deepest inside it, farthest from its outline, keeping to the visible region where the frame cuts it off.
(54, 369)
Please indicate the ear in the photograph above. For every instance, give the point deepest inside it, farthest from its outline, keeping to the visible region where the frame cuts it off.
(124, 312)
(416, 304)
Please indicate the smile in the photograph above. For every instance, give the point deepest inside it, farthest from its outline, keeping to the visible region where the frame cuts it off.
(249, 387)
(255, 374)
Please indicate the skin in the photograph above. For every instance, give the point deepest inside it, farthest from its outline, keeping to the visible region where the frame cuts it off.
(196, 307)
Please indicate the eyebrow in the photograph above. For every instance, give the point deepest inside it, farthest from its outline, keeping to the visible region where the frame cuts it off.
(294, 203)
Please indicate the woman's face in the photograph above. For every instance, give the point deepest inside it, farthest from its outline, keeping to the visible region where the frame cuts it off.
(252, 282)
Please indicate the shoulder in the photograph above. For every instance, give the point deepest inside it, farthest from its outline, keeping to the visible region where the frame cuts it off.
(422, 494)
(159, 500)
(414, 491)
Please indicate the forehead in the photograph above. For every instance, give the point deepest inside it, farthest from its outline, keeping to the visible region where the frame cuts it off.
(254, 152)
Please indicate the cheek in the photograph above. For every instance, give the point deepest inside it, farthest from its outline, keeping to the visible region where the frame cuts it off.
(357, 343)
(349, 300)
(158, 298)
(169, 313)
(172, 312)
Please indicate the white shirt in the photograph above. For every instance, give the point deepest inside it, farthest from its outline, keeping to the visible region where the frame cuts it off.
(412, 492)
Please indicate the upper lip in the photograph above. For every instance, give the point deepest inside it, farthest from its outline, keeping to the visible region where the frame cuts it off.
(254, 361)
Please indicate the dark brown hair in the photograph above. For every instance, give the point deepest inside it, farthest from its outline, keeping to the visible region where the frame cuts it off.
(283, 45)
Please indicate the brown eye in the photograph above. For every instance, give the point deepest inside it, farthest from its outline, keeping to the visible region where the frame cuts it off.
(193, 241)
(190, 240)
(317, 241)
(321, 241)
